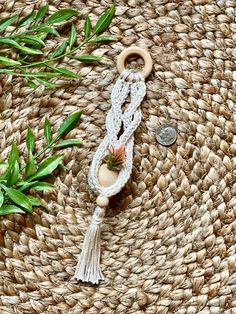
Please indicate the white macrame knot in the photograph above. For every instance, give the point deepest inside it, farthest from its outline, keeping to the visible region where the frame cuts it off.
(98, 216)
(132, 76)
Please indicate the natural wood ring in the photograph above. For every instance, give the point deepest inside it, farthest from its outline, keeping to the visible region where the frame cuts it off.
(121, 61)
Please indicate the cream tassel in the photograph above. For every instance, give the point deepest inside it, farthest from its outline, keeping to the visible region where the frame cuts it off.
(88, 268)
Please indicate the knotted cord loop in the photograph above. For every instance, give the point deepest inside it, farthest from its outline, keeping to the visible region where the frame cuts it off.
(132, 83)
(98, 216)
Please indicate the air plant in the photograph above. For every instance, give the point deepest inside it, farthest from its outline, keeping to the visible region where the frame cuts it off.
(115, 158)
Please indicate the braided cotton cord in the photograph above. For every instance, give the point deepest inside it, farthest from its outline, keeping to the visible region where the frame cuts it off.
(128, 82)
(88, 268)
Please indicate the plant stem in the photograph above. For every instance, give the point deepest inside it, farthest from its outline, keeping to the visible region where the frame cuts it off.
(42, 62)
(33, 29)
(61, 56)
(24, 74)
(42, 151)
(45, 149)
(45, 61)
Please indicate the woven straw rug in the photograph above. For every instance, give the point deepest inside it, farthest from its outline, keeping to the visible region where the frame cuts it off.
(168, 240)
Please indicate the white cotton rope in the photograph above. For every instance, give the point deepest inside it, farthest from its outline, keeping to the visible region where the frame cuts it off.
(129, 83)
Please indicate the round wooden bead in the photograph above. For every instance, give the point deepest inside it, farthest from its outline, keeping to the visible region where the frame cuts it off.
(102, 201)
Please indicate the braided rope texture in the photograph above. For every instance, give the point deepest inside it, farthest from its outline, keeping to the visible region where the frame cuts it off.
(168, 239)
(120, 121)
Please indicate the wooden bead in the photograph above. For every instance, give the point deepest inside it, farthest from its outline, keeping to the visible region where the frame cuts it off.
(107, 177)
(102, 201)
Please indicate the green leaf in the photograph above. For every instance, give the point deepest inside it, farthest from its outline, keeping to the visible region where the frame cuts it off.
(13, 158)
(46, 167)
(41, 36)
(8, 62)
(13, 175)
(30, 164)
(32, 84)
(69, 123)
(29, 51)
(10, 209)
(88, 58)
(30, 140)
(13, 155)
(61, 16)
(26, 20)
(62, 168)
(101, 39)
(19, 198)
(24, 49)
(35, 75)
(43, 186)
(67, 143)
(7, 22)
(59, 50)
(6, 71)
(32, 40)
(1, 198)
(47, 131)
(105, 20)
(24, 185)
(72, 37)
(34, 201)
(40, 74)
(9, 42)
(87, 27)
(47, 83)
(20, 182)
(37, 186)
(49, 30)
(41, 12)
(68, 73)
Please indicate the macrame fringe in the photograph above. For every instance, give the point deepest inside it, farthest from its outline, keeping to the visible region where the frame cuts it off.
(88, 268)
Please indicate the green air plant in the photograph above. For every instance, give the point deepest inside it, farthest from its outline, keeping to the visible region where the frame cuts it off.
(22, 50)
(17, 179)
(116, 158)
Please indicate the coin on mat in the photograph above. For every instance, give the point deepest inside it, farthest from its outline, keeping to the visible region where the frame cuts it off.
(166, 134)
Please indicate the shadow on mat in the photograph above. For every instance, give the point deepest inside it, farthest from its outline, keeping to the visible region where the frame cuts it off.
(119, 202)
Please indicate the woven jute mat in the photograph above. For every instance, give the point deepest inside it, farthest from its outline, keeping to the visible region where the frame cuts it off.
(168, 239)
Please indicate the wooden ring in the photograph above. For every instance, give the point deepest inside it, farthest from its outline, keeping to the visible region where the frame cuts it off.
(134, 50)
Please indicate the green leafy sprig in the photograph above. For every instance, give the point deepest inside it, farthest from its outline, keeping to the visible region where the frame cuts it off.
(17, 179)
(29, 38)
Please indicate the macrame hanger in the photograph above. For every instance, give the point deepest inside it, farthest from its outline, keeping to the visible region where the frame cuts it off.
(129, 83)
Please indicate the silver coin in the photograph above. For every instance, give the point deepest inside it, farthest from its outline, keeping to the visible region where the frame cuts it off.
(166, 134)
